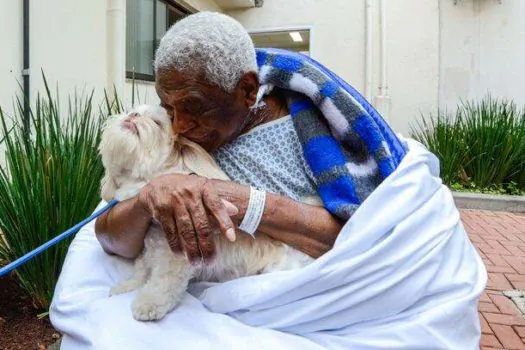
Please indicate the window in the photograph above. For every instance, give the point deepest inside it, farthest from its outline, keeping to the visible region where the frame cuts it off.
(147, 21)
(293, 40)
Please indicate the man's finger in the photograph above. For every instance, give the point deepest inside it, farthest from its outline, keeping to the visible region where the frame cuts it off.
(185, 229)
(204, 231)
(230, 208)
(165, 219)
(217, 209)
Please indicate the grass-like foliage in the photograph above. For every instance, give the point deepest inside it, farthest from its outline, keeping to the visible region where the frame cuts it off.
(442, 135)
(481, 147)
(49, 181)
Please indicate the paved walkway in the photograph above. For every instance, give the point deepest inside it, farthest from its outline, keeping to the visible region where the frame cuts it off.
(500, 239)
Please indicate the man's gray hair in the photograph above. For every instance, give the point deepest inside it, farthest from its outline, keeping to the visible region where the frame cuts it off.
(208, 42)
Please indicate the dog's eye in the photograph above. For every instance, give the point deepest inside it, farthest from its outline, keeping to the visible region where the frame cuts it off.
(157, 122)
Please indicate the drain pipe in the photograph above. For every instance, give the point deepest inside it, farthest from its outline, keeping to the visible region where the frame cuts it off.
(25, 69)
(383, 88)
(383, 102)
(116, 47)
(368, 50)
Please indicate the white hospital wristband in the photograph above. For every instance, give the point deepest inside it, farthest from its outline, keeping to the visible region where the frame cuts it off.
(254, 212)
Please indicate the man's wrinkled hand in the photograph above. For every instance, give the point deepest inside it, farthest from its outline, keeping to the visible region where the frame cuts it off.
(189, 210)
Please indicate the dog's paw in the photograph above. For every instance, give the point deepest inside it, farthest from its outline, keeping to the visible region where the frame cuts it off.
(145, 309)
(124, 287)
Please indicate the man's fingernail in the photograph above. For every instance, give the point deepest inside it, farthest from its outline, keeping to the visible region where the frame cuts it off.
(230, 234)
(234, 211)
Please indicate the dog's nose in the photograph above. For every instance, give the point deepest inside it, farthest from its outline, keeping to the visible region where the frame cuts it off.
(133, 115)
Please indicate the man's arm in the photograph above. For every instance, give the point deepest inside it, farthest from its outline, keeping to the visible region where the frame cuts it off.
(310, 229)
(122, 229)
(189, 207)
(186, 208)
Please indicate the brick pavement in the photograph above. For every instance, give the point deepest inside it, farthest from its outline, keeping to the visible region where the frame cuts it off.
(500, 240)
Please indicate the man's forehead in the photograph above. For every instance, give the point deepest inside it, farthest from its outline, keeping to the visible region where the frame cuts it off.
(174, 88)
(181, 94)
(174, 79)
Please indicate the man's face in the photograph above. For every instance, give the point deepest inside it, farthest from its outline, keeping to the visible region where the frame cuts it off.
(202, 112)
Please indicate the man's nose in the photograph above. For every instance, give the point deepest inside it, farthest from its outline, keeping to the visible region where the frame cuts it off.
(183, 124)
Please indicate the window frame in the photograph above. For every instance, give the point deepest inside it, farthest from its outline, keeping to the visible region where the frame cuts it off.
(291, 28)
(169, 3)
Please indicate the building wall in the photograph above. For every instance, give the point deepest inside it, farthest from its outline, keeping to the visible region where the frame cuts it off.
(338, 41)
(69, 44)
(11, 57)
(482, 50)
(438, 52)
(337, 34)
(413, 60)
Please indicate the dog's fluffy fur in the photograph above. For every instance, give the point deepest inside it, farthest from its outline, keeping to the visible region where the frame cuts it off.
(139, 146)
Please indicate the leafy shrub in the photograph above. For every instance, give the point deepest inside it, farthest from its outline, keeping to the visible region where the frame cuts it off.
(481, 147)
(442, 136)
(494, 130)
(49, 181)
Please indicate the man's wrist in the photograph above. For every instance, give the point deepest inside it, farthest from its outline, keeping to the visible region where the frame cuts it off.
(238, 195)
(254, 213)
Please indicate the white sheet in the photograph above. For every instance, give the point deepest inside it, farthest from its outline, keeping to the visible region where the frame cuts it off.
(402, 275)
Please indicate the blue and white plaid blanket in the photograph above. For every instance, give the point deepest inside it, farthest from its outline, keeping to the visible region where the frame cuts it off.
(347, 144)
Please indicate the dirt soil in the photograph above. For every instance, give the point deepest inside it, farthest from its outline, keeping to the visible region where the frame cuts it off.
(20, 327)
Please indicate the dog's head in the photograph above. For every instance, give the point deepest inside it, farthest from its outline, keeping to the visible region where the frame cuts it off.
(135, 145)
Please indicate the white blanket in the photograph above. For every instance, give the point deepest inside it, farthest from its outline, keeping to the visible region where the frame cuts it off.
(402, 275)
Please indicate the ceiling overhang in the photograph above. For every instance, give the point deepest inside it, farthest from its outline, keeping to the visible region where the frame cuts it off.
(238, 4)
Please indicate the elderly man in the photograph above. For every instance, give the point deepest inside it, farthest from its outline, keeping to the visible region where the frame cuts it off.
(208, 80)
(395, 268)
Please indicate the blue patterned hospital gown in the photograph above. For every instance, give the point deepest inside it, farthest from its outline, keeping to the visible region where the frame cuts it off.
(270, 158)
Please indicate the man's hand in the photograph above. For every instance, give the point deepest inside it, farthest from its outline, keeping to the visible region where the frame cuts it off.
(188, 209)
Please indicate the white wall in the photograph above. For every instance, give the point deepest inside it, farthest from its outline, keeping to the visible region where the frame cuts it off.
(11, 57)
(338, 41)
(482, 50)
(438, 52)
(337, 36)
(69, 44)
(413, 60)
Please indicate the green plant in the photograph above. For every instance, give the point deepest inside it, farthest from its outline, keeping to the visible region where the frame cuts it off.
(494, 131)
(442, 135)
(49, 181)
(509, 189)
(481, 148)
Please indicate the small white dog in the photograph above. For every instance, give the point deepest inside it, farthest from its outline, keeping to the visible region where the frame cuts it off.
(136, 148)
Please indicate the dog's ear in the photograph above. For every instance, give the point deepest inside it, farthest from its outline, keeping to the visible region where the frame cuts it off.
(108, 188)
(199, 161)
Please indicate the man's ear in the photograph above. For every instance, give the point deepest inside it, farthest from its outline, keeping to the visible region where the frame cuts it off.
(248, 86)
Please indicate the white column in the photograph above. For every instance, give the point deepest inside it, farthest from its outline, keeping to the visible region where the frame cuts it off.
(116, 47)
(368, 50)
(383, 102)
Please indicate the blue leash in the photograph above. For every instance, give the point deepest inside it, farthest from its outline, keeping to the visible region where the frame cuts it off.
(22, 260)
